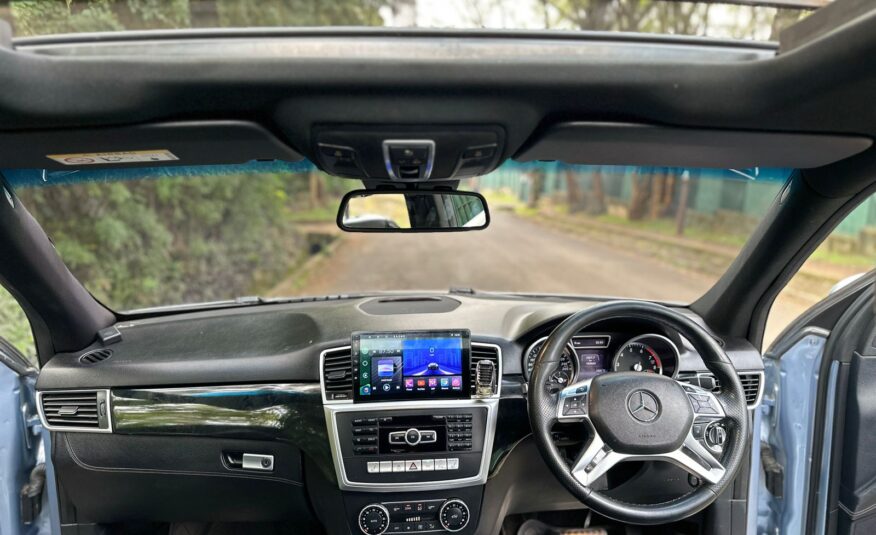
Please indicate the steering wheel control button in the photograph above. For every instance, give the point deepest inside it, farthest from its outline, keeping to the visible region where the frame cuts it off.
(454, 515)
(702, 404)
(575, 406)
(373, 519)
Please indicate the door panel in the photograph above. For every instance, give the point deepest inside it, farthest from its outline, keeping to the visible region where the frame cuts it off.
(805, 429)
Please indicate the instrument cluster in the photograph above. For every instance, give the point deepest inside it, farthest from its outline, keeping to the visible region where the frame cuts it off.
(588, 355)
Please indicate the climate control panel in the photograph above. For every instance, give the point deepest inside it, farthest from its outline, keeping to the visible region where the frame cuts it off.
(426, 516)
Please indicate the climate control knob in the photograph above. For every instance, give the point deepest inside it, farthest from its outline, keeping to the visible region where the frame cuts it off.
(453, 515)
(373, 519)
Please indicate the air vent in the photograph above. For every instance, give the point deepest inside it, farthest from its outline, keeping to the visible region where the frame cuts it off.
(78, 410)
(751, 386)
(95, 356)
(484, 352)
(337, 374)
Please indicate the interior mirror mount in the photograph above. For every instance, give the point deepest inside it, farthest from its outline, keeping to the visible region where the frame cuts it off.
(412, 211)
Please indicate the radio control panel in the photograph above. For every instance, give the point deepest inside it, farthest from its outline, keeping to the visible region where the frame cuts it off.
(407, 446)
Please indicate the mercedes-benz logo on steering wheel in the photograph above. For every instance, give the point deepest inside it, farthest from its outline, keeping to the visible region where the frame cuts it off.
(643, 406)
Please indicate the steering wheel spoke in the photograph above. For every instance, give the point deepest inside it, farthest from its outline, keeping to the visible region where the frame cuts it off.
(596, 459)
(697, 460)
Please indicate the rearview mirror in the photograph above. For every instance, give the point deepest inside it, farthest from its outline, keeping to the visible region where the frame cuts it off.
(420, 211)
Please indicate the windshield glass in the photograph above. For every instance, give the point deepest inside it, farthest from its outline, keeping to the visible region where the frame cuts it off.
(731, 19)
(147, 237)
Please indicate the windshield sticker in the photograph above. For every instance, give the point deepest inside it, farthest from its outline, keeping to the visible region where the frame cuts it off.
(108, 158)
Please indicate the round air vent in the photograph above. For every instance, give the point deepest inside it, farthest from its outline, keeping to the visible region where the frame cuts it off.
(95, 356)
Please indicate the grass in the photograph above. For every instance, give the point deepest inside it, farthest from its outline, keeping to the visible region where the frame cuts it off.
(822, 254)
(667, 227)
(314, 215)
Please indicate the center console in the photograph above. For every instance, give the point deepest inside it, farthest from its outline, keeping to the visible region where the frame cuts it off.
(411, 444)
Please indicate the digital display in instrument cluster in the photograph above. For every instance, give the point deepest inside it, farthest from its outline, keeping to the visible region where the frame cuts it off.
(411, 365)
(593, 357)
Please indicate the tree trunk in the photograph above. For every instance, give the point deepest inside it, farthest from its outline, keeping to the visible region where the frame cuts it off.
(638, 207)
(536, 183)
(661, 194)
(681, 211)
(596, 202)
(315, 190)
(573, 192)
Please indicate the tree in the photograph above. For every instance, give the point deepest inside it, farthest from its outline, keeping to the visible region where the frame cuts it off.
(641, 194)
(573, 192)
(596, 203)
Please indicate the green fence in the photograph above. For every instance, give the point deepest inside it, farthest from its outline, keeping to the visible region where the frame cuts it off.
(747, 193)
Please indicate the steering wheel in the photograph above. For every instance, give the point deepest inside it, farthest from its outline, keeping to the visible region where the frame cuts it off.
(634, 416)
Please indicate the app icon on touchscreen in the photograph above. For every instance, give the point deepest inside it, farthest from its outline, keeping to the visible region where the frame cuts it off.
(456, 382)
(433, 382)
(385, 367)
(445, 382)
(409, 384)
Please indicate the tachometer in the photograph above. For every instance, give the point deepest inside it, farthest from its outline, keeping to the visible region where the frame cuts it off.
(638, 357)
(567, 370)
(650, 353)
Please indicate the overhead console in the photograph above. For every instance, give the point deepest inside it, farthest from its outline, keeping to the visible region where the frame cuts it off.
(408, 154)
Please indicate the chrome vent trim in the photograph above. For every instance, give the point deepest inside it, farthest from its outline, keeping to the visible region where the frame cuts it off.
(84, 411)
(332, 363)
(752, 385)
(481, 351)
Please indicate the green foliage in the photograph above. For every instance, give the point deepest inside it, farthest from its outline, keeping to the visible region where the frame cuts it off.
(42, 17)
(14, 326)
(182, 239)
(39, 17)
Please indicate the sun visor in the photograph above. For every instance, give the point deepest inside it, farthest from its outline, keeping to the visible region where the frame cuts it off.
(646, 145)
(152, 145)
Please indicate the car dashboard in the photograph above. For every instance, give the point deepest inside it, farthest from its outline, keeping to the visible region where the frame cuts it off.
(262, 413)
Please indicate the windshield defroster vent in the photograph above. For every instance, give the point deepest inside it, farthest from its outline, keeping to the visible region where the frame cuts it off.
(95, 356)
(75, 410)
(337, 374)
(489, 352)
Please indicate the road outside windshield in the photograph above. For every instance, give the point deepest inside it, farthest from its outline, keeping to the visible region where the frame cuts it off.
(172, 236)
(176, 236)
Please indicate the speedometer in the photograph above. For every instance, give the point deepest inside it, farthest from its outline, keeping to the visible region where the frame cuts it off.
(564, 374)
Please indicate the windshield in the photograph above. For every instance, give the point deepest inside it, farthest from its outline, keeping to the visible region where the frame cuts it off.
(731, 19)
(174, 235)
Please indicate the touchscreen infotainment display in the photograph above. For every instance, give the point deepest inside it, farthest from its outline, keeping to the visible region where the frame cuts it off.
(411, 365)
